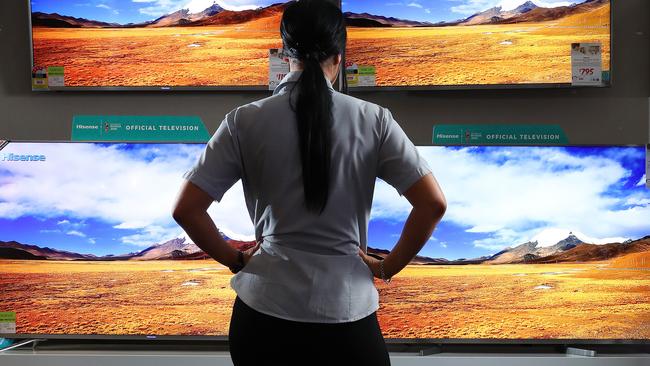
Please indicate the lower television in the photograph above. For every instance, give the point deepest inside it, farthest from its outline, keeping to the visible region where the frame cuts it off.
(539, 244)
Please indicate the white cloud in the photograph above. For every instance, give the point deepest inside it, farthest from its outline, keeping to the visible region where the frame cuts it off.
(104, 6)
(76, 233)
(414, 5)
(513, 196)
(443, 245)
(120, 188)
(470, 7)
(642, 182)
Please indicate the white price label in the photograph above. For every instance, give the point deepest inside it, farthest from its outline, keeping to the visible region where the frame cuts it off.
(587, 64)
(7, 323)
(56, 80)
(278, 67)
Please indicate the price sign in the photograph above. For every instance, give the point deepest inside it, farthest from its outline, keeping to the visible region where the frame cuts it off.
(278, 67)
(7, 322)
(587, 64)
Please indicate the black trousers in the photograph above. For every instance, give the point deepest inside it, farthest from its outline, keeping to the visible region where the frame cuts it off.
(258, 339)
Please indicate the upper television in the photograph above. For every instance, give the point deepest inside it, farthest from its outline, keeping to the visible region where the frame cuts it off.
(152, 44)
(539, 244)
(474, 44)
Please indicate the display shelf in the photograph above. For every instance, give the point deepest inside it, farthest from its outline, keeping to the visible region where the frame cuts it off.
(220, 358)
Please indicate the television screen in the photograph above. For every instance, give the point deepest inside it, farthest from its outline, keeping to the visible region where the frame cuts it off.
(538, 243)
(155, 44)
(443, 43)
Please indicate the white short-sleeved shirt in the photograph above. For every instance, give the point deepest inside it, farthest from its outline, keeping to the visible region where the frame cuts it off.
(308, 268)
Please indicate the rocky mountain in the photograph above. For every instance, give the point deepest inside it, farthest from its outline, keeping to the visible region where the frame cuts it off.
(541, 14)
(516, 254)
(55, 20)
(417, 260)
(590, 252)
(498, 15)
(213, 15)
(228, 17)
(571, 249)
(184, 17)
(532, 251)
(370, 20)
(570, 242)
(168, 250)
(15, 253)
(528, 11)
(45, 252)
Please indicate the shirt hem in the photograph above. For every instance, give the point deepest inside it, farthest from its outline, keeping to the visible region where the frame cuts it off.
(246, 301)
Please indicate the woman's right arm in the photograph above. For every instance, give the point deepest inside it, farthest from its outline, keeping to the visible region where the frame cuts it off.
(429, 205)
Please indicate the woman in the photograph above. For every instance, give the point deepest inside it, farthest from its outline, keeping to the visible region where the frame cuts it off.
(308, 158)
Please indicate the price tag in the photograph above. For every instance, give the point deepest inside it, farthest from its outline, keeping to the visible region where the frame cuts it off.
(7, 323)
(587, 64)
(39, 78)
(360, 75)
(278, 67)
(56, 76)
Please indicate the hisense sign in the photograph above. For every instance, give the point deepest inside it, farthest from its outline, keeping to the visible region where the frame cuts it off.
(15, 157)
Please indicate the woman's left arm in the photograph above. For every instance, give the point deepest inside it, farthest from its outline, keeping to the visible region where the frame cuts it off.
(191, 213)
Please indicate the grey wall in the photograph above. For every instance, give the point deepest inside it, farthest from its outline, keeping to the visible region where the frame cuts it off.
(616, 115)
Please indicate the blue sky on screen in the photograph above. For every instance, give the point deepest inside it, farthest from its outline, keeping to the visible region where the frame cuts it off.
(437, 10)
(136, 11)
(498, 197)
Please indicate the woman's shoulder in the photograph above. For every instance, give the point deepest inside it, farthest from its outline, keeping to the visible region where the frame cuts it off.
(367, 111)
(273, 105)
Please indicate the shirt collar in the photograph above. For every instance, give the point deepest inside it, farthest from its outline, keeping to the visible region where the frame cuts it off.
(291, 79)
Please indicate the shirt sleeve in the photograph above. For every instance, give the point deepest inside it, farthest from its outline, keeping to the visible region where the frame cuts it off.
(219, 167)
(400, 163)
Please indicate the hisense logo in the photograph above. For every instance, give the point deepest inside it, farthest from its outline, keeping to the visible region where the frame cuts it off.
(15, 157)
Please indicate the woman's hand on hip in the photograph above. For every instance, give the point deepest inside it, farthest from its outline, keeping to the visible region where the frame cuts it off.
(248, 253)
(373, 263)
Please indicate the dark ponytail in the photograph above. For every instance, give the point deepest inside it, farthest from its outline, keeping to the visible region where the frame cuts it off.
(312, 31)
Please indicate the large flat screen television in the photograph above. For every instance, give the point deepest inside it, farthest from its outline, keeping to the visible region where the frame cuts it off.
(539, 244)
(128, 44)
(426, 44)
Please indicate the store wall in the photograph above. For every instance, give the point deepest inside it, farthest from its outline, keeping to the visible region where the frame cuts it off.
(616, 115)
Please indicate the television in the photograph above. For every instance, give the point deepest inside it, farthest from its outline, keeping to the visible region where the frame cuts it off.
(429, 44)
(539, 244)
(153, 45)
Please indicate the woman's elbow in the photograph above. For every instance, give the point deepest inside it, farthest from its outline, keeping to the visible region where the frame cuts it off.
(440, 208)
(179, 214)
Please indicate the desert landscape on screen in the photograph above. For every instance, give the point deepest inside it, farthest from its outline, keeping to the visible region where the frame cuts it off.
(562, 299)
(588, 301)
(537, 243)
(219, 47)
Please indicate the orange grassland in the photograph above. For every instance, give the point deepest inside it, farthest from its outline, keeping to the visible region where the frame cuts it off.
(483, 54)
(585, 301)
(176, 56)
(238, 55)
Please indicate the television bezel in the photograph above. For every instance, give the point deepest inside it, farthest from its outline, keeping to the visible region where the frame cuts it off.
(410, 341)
(550, 86)
(162, 88)
(265, 88)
